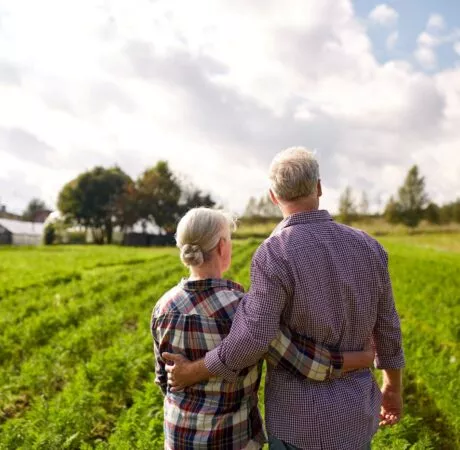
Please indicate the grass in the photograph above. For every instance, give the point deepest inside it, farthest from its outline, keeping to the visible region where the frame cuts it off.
(76, 362)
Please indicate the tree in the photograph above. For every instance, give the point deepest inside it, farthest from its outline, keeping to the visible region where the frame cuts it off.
(192, 197)
(126, 206)
(159, 194)
(432, 213)
(364, 204)
(392, 211)
(450, 212)
(251, 208)
(34, 206)
(92, 200)
(347, 208)
(412, 198)
(263, 207)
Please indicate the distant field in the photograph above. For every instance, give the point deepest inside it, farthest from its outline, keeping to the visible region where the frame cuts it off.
(76, 364)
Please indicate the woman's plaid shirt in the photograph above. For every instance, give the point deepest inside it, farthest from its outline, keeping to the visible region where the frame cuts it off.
(193, 318)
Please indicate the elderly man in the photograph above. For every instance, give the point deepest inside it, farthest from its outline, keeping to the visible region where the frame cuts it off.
(327, 281)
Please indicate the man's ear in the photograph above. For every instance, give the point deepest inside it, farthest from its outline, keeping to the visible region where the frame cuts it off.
(273, 197)
(319, 189)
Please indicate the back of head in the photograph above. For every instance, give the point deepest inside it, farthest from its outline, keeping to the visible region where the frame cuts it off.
(199, 232)
(294, 173)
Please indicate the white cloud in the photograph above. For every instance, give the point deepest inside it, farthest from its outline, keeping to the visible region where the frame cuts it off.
(426, 56)
(436, 22)
(173, 80)
(428, 40)
(392, 39)
(457, 48)
(384, 15)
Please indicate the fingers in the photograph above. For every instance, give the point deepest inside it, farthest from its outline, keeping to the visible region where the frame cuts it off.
(172, 357)
(389, 418)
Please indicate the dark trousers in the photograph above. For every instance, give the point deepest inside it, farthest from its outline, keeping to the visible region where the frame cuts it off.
(276, 444)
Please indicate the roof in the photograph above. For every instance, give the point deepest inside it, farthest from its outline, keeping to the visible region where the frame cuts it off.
(20, 227)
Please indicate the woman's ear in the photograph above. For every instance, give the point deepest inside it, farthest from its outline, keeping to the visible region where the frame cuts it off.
(221, 247)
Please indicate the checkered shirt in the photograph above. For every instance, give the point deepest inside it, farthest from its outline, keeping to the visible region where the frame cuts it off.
(192, 319)
(331, 282)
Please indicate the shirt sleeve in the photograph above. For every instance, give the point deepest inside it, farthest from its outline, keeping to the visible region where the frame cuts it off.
(303, 357)
(257, 320)
(387, 337)
(161, 378)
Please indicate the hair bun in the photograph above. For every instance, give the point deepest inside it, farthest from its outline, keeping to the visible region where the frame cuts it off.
(192, 255)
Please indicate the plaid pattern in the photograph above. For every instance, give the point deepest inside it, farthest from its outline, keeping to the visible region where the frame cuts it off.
(330, 282)
(192, 319)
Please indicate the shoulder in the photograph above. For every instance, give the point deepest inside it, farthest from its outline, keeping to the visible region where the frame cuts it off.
(372, 244)
(171, 301)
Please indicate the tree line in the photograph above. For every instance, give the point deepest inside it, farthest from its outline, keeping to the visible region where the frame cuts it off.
(101, 199)
(409, 206)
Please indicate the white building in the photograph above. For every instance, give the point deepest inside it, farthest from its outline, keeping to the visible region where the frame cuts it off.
(17, 232)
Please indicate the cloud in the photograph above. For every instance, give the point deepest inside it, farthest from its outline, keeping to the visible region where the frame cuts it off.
(17, 192)
(392, 39)
(426, 56)
(24, 144)
(431, 39)
(9, 74)
(457, 48)
(173, 80)
(384, 15)
(436, 22)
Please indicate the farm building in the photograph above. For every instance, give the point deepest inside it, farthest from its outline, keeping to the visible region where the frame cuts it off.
(17, 232)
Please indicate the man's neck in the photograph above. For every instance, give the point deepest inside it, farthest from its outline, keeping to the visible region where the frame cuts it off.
(305, 205)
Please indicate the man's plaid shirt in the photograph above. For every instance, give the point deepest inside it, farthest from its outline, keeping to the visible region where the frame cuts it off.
(193, 318)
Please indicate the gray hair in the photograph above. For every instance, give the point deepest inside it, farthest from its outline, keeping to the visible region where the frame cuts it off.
(294, 173)
(199, 232)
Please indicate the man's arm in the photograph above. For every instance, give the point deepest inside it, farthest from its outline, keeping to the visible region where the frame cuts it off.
(388, 348)
(255, 325)
(257, 320)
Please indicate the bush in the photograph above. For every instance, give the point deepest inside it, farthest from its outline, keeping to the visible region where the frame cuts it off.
(49, 234)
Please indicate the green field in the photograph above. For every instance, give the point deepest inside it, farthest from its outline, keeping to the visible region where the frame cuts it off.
(76, 362)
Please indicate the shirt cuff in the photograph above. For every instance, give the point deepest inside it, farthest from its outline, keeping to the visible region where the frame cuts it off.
(217, 367)
(390, 362)
(336, 367)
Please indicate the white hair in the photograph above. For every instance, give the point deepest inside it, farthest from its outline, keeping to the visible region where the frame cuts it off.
(294, 173)
(199, 232)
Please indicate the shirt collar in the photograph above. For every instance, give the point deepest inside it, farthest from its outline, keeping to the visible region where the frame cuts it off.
(210, 283)
(316, 215)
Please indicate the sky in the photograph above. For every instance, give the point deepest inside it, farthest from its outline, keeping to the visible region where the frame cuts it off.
(218, 87)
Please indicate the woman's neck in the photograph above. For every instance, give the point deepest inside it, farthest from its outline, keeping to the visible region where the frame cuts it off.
(205, 271)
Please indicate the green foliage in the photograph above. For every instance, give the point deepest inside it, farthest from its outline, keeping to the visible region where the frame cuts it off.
(412, 199)
(432, 213)
(263, 208)
(450, 212)
(93, 200)
(392, 212)
(49, 234)
(76, 360)
(347, 207)
(159, 193)
(35, 205)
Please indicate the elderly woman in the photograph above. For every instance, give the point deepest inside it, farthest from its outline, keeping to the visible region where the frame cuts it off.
(193, 318)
